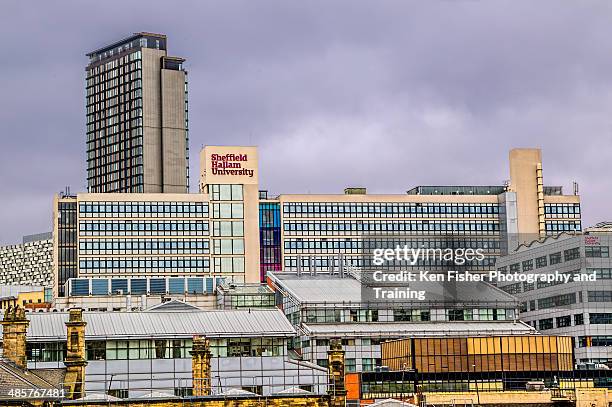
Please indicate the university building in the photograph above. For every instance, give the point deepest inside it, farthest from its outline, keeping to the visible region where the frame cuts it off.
(326, 305)
(167, 244)
(162, 243)
(137, 122)
(578, 308)
(311, 232)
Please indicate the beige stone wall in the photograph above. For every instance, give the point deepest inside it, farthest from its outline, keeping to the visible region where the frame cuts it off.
(523, 180)
(152, 133)
(173, 131)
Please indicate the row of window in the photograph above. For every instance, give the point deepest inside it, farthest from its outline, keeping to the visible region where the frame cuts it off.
(597, 251)
(389, 210)
(562, 210)
(543, 261)
(553, 227)
(157, 349)
(349, 245)
(366, 261)
(145, 264)
(139, 286)
(360, 228)
(143, 209)
(566, 321)
(226, 192)
(143, 246)
(150, 228)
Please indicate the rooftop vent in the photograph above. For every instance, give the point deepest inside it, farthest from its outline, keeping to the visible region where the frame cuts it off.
(354, 191)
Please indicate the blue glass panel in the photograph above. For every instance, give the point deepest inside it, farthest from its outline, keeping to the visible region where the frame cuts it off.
(176, 285)
(139, 286)
(157, 286)
(99, 286)
(80, 286)
(195, 285)
(119, 285)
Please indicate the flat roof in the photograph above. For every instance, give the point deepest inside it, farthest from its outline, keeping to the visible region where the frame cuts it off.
(50, 326)
(126, 40)
(421, 329)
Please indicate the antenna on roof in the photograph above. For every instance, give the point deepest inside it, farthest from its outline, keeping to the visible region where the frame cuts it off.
(575, 184)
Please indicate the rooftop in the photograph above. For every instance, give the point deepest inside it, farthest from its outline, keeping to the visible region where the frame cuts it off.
(334, 289)
(420, 329)
(126, 325)
(457, 190)
(126, 40)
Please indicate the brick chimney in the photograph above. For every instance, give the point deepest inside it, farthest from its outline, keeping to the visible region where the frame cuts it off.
(335, 366)
(75, 361)
(14, 329)
(200, 366)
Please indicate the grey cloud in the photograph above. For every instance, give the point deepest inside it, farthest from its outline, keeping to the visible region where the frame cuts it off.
(385, 94)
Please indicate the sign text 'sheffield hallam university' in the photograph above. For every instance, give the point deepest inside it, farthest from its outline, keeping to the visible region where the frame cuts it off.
(230, 164)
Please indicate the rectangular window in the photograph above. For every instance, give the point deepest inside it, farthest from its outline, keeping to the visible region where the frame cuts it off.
(545, 323)
(571, 254)
(541, 262)
(555, 258)
(578, 319)
(597, 251)
(564, 321)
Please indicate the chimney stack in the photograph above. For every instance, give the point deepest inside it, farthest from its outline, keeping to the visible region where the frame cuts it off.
(14, 329)
(75, 362)
(200, 366)
(335, 359)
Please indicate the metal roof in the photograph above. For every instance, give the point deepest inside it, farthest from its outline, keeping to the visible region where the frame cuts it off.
(334, 289)
(420, 329)
(50, 326)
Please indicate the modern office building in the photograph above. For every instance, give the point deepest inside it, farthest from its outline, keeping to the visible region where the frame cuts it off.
(162, 243)
(28, 263)
(581, 309)
(137, 123)
(316, 229)
(491, 370)
(323, 306)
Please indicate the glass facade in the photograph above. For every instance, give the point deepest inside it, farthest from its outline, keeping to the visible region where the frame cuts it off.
(269, 238)
(153, 286)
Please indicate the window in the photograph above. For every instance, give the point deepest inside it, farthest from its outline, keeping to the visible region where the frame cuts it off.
(555, 258)
(596, 251)
(96, 350)
(350, 365)
(515, 267)
(599, 296)
(226, 192)
(571, 254)
(557, 301)
(527, 265)
(600, 318)
(541, 262)
(564, 321)
(579, 319)
(545, 323)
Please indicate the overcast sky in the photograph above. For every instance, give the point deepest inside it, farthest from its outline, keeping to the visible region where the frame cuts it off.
(382, 94)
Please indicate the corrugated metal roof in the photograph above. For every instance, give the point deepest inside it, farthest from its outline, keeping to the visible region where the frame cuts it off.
(102, 325)
(421, 329)
(326, 288)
